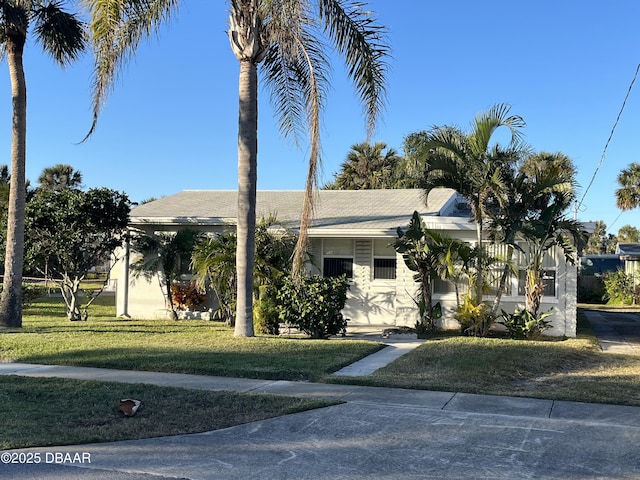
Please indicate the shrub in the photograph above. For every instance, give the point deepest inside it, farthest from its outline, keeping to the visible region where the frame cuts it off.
(618, 287)
(313, 304)
(524, 325)
(30, 292)
(187, 296)
(475, 320)
(267, 319)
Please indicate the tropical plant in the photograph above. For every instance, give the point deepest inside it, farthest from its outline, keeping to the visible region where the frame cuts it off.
(628, 234)
(368, 167)
(61, 35)
(628, 195)
(456, 262)
(214, 266)
(524, 325)
(283, 37)
(470, 164)
(313, 304)
(475, 318)
(430, 254)
(541, 179)
(59, 177)
(619, 288)
(164, 255)
(71, 231)
(549, 226)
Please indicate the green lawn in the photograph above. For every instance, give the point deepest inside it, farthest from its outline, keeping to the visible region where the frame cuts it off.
(573, 369)
(38, 412)
(187, 346)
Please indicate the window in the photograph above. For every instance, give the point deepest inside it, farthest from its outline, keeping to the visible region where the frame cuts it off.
(446, 286)
(384, 268)
(548, 282)
(337, 256)
(334, 267)
(384, 260)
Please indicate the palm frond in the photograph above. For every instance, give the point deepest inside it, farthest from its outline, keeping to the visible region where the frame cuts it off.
(357, 36)
(61, 34)
(117, 27)
(485, 125)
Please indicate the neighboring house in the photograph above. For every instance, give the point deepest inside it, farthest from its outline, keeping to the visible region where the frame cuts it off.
(350, 234)
(629, 254)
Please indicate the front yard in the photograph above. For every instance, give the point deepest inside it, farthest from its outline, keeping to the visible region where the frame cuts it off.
(573, 369)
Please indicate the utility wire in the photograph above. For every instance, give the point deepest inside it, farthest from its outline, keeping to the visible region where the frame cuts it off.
(609, 139)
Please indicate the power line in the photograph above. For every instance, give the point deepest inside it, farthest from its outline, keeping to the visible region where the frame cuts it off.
(604, 151)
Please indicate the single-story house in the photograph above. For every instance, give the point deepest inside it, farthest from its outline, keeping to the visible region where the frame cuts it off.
(629, 254)
(351, 233)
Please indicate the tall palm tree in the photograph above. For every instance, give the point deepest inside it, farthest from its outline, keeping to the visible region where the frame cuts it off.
(367, 166)
(470, 164)
(60, 177)
(628, 195)
(283, 37)
(61, 35)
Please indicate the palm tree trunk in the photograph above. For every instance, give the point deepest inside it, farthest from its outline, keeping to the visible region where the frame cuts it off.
(480, 262)
(11, 300)
(503, 281)
(247, 182)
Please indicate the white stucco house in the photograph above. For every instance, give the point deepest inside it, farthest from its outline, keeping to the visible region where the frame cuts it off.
(350, 233)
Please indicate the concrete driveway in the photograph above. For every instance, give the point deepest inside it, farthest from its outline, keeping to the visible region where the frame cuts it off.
(379, 433)
(617, 331)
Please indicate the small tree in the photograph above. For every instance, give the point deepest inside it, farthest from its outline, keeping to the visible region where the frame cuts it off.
(428, 253)
(214, 265)
(163, 255)
(72, 231)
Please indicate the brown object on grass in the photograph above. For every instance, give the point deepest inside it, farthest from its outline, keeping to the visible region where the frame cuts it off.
(129, 407)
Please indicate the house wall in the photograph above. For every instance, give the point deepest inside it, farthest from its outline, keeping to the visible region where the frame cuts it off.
(141, 297)
(392, 302)
(376, 302)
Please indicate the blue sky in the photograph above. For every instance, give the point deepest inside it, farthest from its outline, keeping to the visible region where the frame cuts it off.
(170, 122)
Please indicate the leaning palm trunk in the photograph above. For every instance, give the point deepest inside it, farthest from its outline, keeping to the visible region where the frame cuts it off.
(11, 300)
(506, 271)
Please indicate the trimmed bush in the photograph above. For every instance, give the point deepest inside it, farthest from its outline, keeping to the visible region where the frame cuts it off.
(313, 304)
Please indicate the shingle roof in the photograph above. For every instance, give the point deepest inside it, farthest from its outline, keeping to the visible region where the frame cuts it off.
(335, 209)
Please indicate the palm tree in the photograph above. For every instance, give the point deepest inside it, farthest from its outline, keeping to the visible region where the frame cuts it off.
(628, 234)
(60, 177)
(164, 255)
(431, 255)
(214, 265)
(628, 195)
(367, 167)
(61, 35)
(542, 178)
(470, 164)
(547, 225)
(283, 37)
